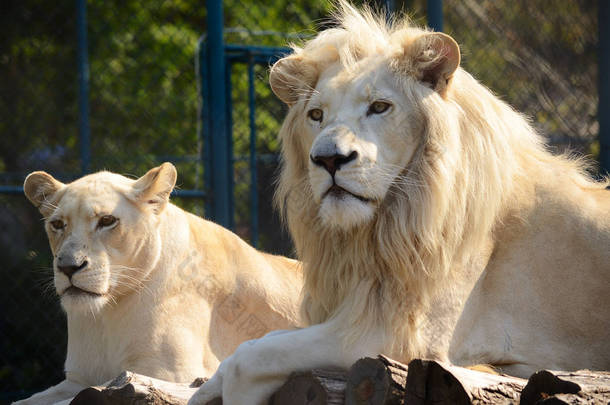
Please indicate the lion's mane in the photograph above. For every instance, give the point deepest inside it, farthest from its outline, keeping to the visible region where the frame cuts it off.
(477, 157)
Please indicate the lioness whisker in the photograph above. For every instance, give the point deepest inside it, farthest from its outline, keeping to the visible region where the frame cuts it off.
(132, 282)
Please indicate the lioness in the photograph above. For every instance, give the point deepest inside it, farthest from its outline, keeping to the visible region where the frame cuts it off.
(149, 287)
(430, 218)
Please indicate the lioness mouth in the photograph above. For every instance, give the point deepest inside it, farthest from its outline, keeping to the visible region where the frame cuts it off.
(338, 191)
(73, 290)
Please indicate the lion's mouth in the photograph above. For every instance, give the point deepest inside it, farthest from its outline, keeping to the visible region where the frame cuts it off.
(338, 192)
(73, 291)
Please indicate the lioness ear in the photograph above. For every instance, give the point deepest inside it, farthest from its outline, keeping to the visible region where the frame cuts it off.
(39, 188)
(292, 77)
(436, 58)
(155, 186)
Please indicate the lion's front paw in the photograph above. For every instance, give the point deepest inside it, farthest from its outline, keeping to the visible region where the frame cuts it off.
(208, 391)
(249, 376)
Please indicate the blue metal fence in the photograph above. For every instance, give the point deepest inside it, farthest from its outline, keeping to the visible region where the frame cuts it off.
(434, 12)
(603, 112)
(217, 127)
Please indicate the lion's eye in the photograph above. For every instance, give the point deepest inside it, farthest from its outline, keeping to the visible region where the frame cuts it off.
(378, 107)
(316, 114)
(106, 220)
(58, 224)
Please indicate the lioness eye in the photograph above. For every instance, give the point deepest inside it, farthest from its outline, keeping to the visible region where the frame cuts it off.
(58, 224)
(378, 107)
(316, 114)
(106, 220)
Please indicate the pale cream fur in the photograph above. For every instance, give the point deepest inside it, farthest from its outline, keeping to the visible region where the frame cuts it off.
(174, 294)
(457, 235)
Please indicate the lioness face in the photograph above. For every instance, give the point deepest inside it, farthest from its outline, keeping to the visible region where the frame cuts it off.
(361, 135)
(102, 235)
(91, 233)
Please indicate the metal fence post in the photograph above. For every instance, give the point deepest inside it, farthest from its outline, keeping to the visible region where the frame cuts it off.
(603, 111)
(253, 162)
(220, 187)
(389, 6)
(435, 14)
(229, 137)
(204, 120)
(83, 87)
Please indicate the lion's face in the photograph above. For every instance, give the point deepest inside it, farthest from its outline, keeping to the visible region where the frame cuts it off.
(359, 122)
(102, 232)
(361, 133)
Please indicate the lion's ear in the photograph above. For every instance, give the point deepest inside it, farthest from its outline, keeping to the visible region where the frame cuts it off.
(292, 77)
(436, 58)
(155, 186)
(39, 188)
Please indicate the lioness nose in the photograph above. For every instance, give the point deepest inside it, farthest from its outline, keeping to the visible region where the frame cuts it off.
(70, 268)
(334, 162)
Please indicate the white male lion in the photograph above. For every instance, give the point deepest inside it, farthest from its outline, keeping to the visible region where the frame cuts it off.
(149, 287)
(406, 183)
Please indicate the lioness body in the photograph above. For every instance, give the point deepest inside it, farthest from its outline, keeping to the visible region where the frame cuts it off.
(175, 294)
(430, 218)
(219, 292)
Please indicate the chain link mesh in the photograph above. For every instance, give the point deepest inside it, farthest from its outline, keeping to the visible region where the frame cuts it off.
(541, 57)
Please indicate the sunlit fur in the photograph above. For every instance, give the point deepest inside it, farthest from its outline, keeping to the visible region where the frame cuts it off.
(453, 234)
(476, 163)
(177, 294)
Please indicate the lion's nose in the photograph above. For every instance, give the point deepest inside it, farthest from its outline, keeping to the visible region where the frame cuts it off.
(70, 268)
(334, 162)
